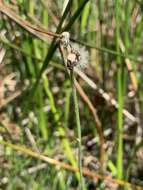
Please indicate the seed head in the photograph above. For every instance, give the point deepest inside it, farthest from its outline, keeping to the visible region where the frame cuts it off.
(65, 39)
(84, 56)
(73, 59)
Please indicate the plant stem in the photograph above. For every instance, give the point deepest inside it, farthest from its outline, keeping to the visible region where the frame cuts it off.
(78, 129)
(120, 97)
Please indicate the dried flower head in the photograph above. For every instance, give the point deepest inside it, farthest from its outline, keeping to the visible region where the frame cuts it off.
(76, 56)
(73, 59)
(65, 39)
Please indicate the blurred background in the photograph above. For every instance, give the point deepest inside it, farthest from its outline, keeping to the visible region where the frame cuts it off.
(37, 112)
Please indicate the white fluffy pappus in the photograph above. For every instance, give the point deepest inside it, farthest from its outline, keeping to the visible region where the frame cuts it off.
(84, 56)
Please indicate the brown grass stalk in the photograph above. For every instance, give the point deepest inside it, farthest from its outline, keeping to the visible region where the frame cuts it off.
(59, 164)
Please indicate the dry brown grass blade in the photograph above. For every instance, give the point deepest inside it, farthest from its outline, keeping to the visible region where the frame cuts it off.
(105, 95)
(40, 33)
(96, 118)
(2, 54)
(12, 128)
(130, 69)
(11, 98)
(132, 74)
(59, 164)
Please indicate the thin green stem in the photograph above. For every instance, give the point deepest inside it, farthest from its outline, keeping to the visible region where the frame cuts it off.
(105, 50)
(127, 26)
(101, 39)
(120, 97)
(89, 45)
(78, 129)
